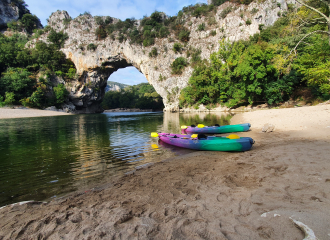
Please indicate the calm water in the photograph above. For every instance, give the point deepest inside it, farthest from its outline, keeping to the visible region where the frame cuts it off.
(42, 158)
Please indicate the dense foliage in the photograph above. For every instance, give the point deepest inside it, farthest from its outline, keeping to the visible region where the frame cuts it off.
(20, 67)
(141, 96)
(178, 65)
(263, 69)
(26, 22)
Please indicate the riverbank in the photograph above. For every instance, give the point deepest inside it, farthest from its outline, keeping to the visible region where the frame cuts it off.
(28, 112)
(249, 195)
(128, 110)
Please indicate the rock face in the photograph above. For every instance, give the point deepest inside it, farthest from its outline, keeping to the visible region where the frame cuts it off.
(95, 66)
(8, 12)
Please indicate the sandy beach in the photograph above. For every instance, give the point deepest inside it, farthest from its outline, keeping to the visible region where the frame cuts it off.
(20, 113)
(256, 194)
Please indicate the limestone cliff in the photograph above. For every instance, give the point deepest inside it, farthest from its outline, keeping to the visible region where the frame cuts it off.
(8, 12)
(95, 66)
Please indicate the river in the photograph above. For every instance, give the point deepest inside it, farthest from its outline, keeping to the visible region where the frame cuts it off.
(47, 157)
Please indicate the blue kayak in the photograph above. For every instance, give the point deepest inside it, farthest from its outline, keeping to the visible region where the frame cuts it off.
(216, 129)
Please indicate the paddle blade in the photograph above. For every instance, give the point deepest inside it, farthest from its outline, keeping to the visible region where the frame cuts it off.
(154, 134)
(233, 136)
(200, 126)
(154, 146)
(184, 127)
(194, 136)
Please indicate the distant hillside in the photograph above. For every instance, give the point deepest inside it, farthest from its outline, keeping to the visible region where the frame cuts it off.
(115, 86)
(141, 96)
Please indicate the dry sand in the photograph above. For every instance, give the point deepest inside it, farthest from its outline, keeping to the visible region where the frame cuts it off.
(20, 113)
(204, 195)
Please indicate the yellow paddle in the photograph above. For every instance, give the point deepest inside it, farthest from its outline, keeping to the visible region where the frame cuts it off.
(154, 134)
(233, 136)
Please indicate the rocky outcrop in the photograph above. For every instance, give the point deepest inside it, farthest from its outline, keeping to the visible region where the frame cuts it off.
(8, 12)
(95, 66)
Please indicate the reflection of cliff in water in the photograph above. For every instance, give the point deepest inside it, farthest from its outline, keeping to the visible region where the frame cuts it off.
(172, 122)
(48, 156)
(208, 119)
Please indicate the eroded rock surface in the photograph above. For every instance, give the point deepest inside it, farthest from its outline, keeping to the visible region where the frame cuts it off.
(8, 12)
(95, 66)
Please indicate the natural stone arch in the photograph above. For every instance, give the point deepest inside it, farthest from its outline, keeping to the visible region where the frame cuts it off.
(94, 67)
(91, 84)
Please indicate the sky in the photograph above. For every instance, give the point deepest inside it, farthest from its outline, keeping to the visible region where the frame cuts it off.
(121, 9)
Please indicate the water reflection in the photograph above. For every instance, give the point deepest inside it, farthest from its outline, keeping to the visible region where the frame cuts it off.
(208, 119)
(49, 156)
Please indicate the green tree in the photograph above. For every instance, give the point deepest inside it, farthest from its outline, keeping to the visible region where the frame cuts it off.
(323, 9)
(178, 65)
(30, 22)
(57, 38)
(18, 81)
(61, 94)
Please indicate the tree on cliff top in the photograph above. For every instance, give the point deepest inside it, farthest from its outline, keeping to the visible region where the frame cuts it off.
(322, 7)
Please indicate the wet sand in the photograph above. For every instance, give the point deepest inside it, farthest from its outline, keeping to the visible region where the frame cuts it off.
(204, 195)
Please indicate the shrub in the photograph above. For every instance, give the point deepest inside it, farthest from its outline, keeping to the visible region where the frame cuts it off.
(248, 22)
(163, 32)
(18, 81)
(9, 99)
(30, 22)
(71, 73)
(91, 47)
(201, 27)
(177, 47)
(148, 42)
(121, 38)
(37, 99)
(153, 53)
(2, 103)
(254, 11)
(66, 21)
(100, 33)
(213, 33)
(108, 20)
(218, 2)
(184, 35)
(87, 13)
(99, 20)
(195, 56)
(57, 38)
(161, 78)
(37, 33)
(178, 65)
(211, 21)
(225, 12)
(60, 94)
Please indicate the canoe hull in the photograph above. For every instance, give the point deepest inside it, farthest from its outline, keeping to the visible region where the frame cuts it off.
(209, 144)
(222, 129)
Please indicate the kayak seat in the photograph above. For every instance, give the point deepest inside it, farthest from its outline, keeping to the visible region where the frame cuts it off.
(201, 136)
(193, 126)
(217, 125)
